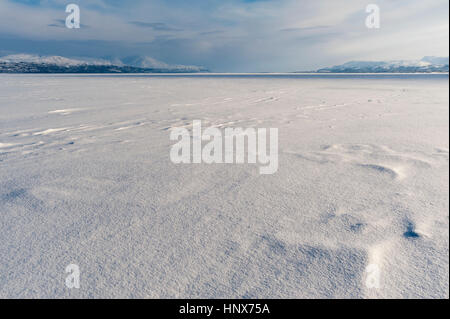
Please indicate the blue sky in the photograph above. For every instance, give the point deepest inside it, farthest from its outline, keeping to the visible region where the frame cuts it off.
(229, 35)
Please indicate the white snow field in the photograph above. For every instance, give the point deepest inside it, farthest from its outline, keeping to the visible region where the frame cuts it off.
(357, 209)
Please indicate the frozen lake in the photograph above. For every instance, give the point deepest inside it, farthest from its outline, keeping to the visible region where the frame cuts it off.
(361, 188)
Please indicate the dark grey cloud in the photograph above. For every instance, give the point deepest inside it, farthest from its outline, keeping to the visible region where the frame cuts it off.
(214, 32)
(322, 27)
(60, 23)
(156, 26)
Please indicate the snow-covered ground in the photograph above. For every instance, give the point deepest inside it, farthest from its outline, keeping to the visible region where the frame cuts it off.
(362, 187)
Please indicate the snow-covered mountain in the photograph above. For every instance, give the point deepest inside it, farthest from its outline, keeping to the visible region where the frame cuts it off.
(151, 63)
(436, 60)
(426, 64)
(27, 63)
(53, 60)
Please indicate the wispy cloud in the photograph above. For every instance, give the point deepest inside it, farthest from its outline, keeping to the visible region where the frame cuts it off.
(305, 29)
(157, 26)
(214, 32)
(231, 35)
(59, 23)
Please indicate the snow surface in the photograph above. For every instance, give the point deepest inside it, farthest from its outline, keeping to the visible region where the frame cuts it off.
(86, 179)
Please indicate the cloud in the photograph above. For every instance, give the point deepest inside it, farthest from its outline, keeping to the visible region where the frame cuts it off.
(214, 32)
(231, 35)
(305, 29)
(59, 23)
(157, 26)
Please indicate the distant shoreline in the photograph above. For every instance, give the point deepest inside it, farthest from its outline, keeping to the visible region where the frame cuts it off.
(218, 74)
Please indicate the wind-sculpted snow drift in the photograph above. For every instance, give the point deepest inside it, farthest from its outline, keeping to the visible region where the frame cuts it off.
(361, 188)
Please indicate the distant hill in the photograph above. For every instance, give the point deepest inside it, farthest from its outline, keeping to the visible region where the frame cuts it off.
(26, 63)
(146, 62)
(425, 65)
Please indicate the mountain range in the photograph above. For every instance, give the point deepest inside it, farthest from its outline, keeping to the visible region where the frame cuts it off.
(27, 63)
(427, 64)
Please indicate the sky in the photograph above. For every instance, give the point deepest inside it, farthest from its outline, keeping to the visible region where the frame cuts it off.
(229, 35)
